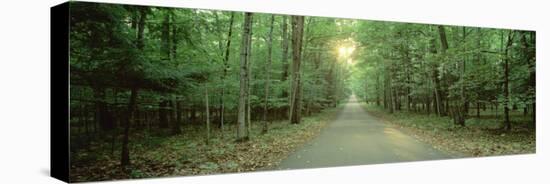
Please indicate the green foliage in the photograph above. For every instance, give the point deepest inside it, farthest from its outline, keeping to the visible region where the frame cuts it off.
(407, 62)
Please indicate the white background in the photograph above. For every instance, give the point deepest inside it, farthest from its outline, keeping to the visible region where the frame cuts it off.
(25, 94)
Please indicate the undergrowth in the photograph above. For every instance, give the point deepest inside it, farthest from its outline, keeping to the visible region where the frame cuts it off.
(480, 137)
(155, 155)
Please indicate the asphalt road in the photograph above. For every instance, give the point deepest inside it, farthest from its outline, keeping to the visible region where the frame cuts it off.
(357, 138)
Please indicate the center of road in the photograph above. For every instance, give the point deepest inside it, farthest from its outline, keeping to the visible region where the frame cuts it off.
(357, 138)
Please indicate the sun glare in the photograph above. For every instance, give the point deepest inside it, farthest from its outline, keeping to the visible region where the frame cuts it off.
(345, 51)
(350, 61)
(342, 51)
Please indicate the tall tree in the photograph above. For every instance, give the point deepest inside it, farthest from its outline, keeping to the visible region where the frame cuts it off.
(284, 57)
(249, 83)
(245, 45)
(133, 83)
(296, 99)
(207, 105)
(268, 74)
(225, 66)
(510, 38)
(439, 91)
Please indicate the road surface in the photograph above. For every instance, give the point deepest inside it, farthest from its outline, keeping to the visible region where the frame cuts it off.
(357, 138)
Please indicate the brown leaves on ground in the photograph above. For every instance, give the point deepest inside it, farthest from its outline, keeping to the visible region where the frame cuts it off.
(188, 153)
(480, 137)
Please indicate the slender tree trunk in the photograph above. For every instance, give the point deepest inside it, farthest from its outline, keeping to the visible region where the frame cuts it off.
(377, 90)
(284, 61)
(391, 104)
(165, 38)
(438, 104)
(268, 74)
(125, 153)
(385, 90)
(175, 113)
(529, 52)
(439, 91)
(478, 107)
(462, 110)
(507, 124)
(102, 115)
(225, 65)
(246, 36)
(141, 28)
(297, 35)
(207, 115)
(163, 118)
(174, 37)
(249, 84)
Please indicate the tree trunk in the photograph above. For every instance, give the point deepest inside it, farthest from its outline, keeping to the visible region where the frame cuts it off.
(225, 61)
(141, 28)
(163, 115)
(284, 61)
(102, 115)
(246, 36)
(529, 51)
(438, 102)
(165, 46)
(249, 86)
(478, 107)
(296, 102)
(377, 90)
(268, 74)
(507, 124)
(173, 36)
(125, 153)
(463, 109)
(440, 93)
(207, 115)
(175, 114)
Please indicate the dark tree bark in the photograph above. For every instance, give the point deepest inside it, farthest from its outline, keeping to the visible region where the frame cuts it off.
(174, 37)
(165, 46)
(163, 114)
(176, 118)
(507, 124)
(102, 114)
(207, 115)
(225, 61)
(248, 83)
(141, 27)
(268, 74)
(125, 153)
(297, 37)
(529, 54)
(246, 36)
(377, 90)
(438, 89)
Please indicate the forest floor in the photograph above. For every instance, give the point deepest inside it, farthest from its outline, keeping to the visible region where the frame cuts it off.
(155, 155)
(480, 137)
